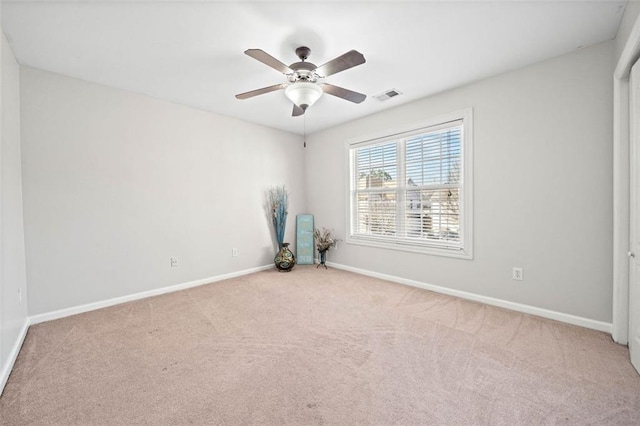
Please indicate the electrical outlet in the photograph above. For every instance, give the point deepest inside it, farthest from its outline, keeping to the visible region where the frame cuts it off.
(234, 252)
(174, 262)
(517, 274)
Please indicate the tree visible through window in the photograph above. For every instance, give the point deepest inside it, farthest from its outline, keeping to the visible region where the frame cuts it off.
(408, 190)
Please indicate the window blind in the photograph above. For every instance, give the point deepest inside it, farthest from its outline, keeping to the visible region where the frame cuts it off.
(407, 189)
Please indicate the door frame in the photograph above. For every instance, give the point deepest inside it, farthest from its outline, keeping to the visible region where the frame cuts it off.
(621, 178)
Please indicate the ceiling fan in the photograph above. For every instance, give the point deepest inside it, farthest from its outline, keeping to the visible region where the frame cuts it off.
(305, 79)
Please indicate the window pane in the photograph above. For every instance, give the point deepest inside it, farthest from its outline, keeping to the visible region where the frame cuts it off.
(434, 158)
(376, 166)
(433, 214)
(376, 213)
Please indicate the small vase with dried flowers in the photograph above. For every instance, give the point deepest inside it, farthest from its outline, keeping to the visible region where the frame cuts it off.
(324, 242)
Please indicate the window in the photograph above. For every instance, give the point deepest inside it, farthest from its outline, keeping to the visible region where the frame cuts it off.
(410, 188)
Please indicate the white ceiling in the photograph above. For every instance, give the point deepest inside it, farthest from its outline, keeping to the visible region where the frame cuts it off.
(191, 52)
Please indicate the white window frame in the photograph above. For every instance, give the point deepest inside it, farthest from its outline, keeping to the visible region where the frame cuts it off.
(463, 250)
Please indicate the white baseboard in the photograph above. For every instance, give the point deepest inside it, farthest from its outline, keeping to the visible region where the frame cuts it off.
(49, 316)
(527, 309)
(8, 365)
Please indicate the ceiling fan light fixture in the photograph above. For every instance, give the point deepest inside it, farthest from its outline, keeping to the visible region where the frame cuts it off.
(303, 94)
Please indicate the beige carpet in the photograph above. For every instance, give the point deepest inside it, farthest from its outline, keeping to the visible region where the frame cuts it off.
(316, 346)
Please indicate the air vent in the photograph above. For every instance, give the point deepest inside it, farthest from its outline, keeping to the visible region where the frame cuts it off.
(388, 94)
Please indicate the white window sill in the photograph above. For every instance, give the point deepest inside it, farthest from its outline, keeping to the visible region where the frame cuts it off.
(435, 250)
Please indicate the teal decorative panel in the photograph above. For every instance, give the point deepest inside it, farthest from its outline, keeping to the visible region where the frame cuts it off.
(304, 239)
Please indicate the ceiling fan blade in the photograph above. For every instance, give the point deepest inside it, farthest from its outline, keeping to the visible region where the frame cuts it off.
(297, 111)
(349, 60)
(251, 94)
(343, 93)
(267, 59)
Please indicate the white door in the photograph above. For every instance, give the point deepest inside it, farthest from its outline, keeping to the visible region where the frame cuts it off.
(634, 218)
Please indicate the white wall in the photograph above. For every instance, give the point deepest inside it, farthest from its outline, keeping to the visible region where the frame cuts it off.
(116, 183)
(13, 311)
(543, 179)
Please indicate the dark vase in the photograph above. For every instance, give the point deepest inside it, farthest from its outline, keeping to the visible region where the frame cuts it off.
(285, 260)
(323, 258)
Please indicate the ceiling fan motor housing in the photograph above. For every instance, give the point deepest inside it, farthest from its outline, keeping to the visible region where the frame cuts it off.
(303, 73)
